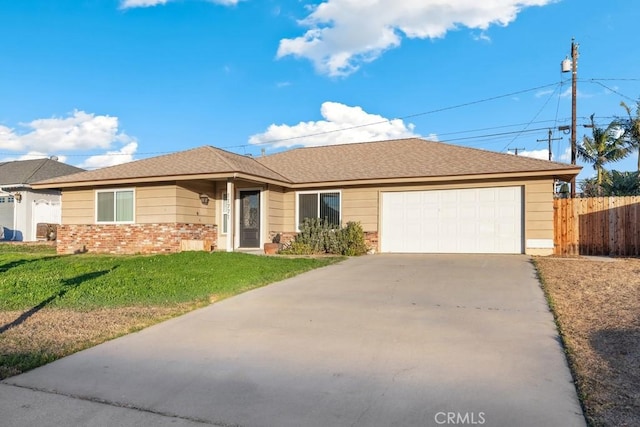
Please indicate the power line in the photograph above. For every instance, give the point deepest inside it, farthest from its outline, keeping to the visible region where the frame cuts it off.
(612, 90)
(452, 107)
(438, 110)
(534, 117)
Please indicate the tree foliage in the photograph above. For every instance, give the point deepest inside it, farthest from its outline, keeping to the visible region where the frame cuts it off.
(614, 183)
(631, 126)
(604, 146)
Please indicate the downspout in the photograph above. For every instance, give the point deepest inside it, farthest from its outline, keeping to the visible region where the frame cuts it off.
(15, 218)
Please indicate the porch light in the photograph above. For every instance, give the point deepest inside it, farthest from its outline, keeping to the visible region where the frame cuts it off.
(204, 199)
(18, 197)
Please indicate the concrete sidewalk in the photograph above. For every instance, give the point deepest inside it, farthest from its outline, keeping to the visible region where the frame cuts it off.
(406, 340)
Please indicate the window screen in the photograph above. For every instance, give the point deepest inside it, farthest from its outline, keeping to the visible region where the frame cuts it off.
(115, 206)
(324, 205)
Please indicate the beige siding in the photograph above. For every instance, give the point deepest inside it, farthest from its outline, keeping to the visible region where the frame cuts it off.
(538, 214)
(156, 204)
(189, 208)
(275, 208)
(361, 204)
(289, 210)
(78, 206)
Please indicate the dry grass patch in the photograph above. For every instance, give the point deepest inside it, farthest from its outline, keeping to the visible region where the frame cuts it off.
(597, 307)
(53, 333)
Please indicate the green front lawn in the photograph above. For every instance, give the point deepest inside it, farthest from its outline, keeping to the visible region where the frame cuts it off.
(53, 305)
(84, 282)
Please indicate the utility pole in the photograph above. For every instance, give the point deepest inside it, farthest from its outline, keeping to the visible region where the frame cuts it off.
(549, 139)
(515, 150)
(574, 78)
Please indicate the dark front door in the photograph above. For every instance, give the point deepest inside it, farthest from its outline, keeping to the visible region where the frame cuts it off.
(250, 219)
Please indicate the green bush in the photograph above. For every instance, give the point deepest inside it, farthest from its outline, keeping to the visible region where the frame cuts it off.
(318, 236)
(297, 248)
(351, 240)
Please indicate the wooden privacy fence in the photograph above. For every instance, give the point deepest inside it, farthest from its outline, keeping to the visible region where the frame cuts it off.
(597, 226)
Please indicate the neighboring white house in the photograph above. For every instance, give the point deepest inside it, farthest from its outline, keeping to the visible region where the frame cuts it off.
(22, 207)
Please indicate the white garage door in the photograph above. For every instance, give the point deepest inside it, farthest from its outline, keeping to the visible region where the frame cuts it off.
(6, 213)
(475, 220)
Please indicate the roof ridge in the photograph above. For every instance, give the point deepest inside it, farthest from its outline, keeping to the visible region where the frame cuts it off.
(286, 178)
(347, 144)
(26, 180)
(216, 151)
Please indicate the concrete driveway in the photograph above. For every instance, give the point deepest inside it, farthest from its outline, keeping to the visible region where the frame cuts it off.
(385, 340)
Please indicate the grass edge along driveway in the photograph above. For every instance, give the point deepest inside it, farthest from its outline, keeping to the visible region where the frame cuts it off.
(54, 305)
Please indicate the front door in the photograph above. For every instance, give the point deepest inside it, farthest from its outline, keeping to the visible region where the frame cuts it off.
(250, 219)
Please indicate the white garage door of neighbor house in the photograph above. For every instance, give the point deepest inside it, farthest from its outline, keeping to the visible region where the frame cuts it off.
(6, 212)
(474, 220)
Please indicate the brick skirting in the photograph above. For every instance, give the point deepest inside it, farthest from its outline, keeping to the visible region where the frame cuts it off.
(132, 238)
(371, 240)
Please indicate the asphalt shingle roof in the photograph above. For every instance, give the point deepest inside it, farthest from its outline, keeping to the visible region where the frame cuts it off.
(22, 172)
(402, 158)
(197, 161)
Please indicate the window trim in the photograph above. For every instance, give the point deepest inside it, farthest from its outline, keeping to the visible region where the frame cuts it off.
(224, 198)
(114, 191)
(318, 192)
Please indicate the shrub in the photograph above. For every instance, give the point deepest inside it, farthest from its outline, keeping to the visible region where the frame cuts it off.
(318, 236)
(351, 240)
(296, 248)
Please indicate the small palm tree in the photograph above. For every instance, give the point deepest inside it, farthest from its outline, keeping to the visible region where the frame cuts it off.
(631, 126)
(622, 184)
(604, 146)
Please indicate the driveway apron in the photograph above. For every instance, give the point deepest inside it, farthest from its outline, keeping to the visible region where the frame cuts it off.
(384, 340)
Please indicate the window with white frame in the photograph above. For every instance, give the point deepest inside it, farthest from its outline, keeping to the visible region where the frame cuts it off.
(225, 213)
(114, 206)
(319, 204)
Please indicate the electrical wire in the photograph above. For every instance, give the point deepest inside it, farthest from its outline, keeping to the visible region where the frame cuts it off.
(534, 117)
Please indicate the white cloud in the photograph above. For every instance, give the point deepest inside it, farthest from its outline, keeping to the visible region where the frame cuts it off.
(579, 94)
(482, 37)
(127, 4)
(565, 156)
(33, 155)
(342, 124)
(536, 154)
(111, 158)
(342, 34)
(79, 131)
(546, 92)
(544, 155)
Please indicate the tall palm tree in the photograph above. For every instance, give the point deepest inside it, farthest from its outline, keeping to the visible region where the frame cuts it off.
(631, 127)
(604, 146)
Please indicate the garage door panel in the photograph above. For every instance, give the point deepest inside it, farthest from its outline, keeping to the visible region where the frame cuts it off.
(484, 220)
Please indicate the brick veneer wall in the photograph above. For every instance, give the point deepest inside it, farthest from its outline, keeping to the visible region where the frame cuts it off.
(132, 238)
(371, 240)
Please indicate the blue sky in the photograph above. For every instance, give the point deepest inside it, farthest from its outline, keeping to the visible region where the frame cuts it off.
(99, 82)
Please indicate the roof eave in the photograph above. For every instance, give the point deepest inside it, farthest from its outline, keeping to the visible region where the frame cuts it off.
(165, 178)
(562, 174)
(15, 186)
